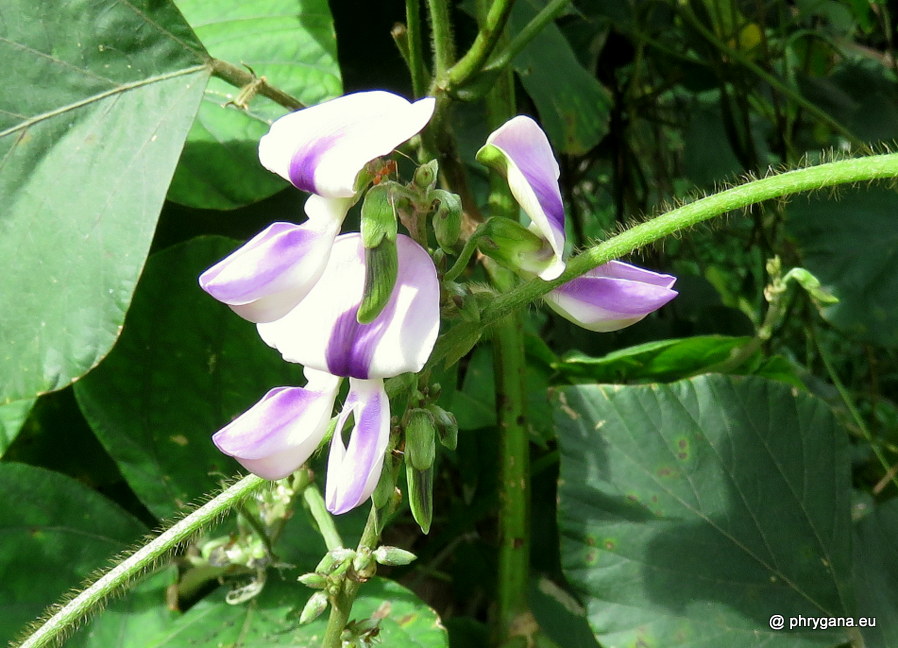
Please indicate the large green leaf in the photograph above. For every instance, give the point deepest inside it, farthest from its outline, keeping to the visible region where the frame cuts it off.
(184, 367)
(573, 106)
(12, 417)
(97, 99)
(690, 513)
(851, 245)
(876, 574)
(55, 531)
(272, 619)
(289, 42)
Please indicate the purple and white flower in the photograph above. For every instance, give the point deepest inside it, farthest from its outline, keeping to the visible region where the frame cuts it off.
(270, 274)
(607, 298)
(323, 148)
(520, 150)
(278, 434)
(611, 296)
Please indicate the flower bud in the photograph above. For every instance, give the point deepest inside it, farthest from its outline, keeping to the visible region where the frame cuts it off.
(420, 450)
(334, 559)
(426, 175)
(313, 580)
(420, 495)
(316, 604)
(446, 218)
(393, 556)
(378, 215)
(515, 246)
(447, 426)
(381, 270)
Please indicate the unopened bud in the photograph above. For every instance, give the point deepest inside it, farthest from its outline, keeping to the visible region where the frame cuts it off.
(446, 218)
(447, 426)
(383, 492)
(333, 559)
(313, 580)
(378, 215)
(381, 270)
(316, 604)
(515, 246)
(393, 556)
(362, 560)
(420, 495)
(426, 175)
(420, 449)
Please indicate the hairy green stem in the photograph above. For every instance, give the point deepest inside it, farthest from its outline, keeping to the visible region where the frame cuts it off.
(341, 603)
(873, 167)
(241, 78)
(509, 370)
(441, 34)
(323, 519)
(546, 15)
(416, 66)
(491, 29)
(465, 255)
(119, 577)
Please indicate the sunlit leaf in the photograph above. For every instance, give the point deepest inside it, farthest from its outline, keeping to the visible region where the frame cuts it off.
(97, 99)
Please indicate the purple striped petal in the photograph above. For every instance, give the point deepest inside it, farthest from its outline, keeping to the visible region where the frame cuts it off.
(322, 149)
(322, 331)
(353, 470)
(280, 432)
(520, 149)
(612, 296)
(266, 277)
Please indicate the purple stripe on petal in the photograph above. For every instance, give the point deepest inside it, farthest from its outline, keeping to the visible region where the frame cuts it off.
(617, 295)
(352, 345)
(306, 159)
(353, 471)
(546, 189)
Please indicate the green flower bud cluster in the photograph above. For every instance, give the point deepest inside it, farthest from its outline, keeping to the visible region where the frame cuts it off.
(339, 565)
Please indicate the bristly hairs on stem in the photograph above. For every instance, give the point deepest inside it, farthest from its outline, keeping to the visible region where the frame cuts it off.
(61, 619)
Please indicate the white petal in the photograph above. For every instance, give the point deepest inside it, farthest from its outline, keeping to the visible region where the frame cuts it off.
(532, 172)
(266, 277)
(280, 432)
(321, 149)
(353, 471)
(322, 331)
(612, 296)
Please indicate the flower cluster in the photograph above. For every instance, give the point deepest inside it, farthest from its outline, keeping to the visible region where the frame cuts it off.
(303, 286)
(307, 287)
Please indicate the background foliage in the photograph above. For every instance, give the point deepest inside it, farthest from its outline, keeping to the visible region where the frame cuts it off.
(692, 475)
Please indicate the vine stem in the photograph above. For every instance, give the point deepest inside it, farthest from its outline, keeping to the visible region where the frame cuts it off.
(864, 169)
(118, 577)
(341, 603)
(509, 370)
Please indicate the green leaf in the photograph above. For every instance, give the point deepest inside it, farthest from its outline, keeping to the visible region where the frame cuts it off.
(98, 97)
(573, 106)
(12, 418)
(272, 619)
(184, 367)
(851, 245)
(55, 532)
(668, 360)
(876, 573)
(289, 42)
(691, 513)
